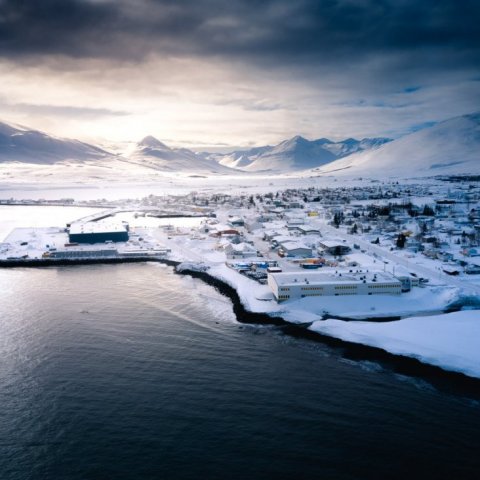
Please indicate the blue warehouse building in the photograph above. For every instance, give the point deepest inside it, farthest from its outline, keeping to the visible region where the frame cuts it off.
(98, 232)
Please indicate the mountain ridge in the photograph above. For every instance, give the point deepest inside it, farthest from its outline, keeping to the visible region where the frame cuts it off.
(21, 144)
(154, 154)
(450, 146)
(296, 153)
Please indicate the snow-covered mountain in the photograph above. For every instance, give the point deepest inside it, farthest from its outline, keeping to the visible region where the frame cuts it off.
(22, 145)
(352, 145)
(449, 147)
(19, 144)
(152, 153)
(241, 158)
(296, 154)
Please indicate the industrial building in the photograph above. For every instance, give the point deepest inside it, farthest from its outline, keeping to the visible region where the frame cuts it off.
(80, 254)
(295, 285)
(98, 232)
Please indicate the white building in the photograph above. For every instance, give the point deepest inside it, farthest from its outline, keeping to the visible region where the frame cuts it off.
(295, 285)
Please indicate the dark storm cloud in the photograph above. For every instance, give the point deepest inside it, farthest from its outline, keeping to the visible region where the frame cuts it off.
(276, 32)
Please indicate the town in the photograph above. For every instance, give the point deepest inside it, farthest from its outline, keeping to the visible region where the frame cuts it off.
(417, 243)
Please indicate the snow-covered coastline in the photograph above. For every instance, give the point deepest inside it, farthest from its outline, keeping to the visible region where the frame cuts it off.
(449, 341)
(206, 250)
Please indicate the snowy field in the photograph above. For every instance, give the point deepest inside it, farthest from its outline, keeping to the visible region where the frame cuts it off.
(26, 181)
(449, 341)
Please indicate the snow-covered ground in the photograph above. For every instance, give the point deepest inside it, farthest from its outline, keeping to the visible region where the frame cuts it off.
(445, 340)
(427, 300)
(449, 341)
(259, 298)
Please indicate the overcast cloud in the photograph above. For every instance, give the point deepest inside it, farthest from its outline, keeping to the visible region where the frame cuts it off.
(207, 71)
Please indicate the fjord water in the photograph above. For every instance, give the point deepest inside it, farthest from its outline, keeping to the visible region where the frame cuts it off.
(130, 371)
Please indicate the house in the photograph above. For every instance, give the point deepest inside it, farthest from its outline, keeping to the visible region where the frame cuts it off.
(294, 249)
(236, 222)
(306, 230)
(223, 230)
(294, 204)
(252, 225)
(294, 224)
(240, 250)
(277, 211)
(269, 234)
(334, 247)
(280, 239)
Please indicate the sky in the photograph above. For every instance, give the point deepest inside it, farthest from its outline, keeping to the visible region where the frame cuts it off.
(209, 74)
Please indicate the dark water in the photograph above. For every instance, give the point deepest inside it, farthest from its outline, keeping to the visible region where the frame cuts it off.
(129, 372)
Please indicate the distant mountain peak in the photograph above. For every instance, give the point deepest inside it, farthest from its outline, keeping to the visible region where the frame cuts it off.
(296, 139)
(152, 142)
(152, 153)
(323, 141)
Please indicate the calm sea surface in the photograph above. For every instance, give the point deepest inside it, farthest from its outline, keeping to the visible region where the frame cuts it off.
(133, 372)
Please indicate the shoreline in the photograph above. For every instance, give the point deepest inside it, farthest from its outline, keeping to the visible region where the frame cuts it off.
(35, 263)
(399, 364)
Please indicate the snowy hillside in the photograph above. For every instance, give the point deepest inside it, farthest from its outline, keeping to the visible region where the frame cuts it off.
(242, 158)
(450, 147)
(351, 145)
(18, 144)
(296, 154)
(154, 154)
